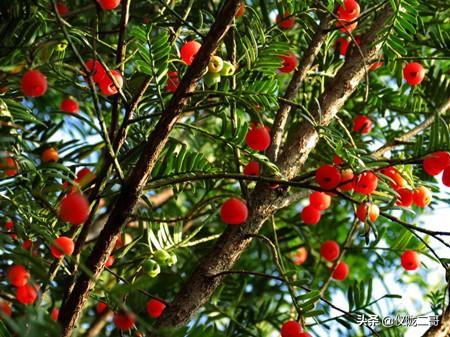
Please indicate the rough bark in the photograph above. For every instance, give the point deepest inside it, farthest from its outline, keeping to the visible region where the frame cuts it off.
(263, 201)
(443, 328)
(133, 186)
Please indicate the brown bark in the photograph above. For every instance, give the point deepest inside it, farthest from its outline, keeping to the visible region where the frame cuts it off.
(133, 186)
(443, 328)
(263, 201)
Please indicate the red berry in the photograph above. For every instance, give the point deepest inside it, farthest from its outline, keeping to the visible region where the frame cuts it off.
(320, 200)
(410, 260)
(34, 83)
(345, 25)
(341, 271)
(328, 177)
(62, 9)
(290, 62)
(350, 10)
(69, 106)
(27, 244)
(286, 21)
(26, 294)
(347, 182)
(397, 179)
(9, 224)
(100, 308)
(291, 329)
(234, 211)
(97, 70)
(337, 160)
(62, 246)
(362, 124)
(437, 162)
(9, 166)
(300, 256)
(366, 183)
(258, 138)
(330, 250)
(405, 198)
(84, 177)
(50, 155)
(124, 320)
(189, 50)
(106, 85)
(342, 44)
(110, 261)
(365, 210)
(446, 177)
(310, 215)
(54, 314)
(413, 73)
(107, 5)
(74, 208)
(252, 169)
(5, 309)
(155, 308)
(18, 276)
(422, 196)
(172, 81)
(241, 10)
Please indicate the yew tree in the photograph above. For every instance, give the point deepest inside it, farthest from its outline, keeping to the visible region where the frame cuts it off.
(223, 167)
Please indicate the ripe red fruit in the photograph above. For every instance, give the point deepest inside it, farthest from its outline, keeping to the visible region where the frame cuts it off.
(345, 25)
(341, 271)
(9, 166)
(74, 208)
(54, 314)
(100, 308)
(362, 124)
(62, 246)
(342, 44)
(291, 329)
(365, 210)
(155, 308)
(189, 50)
(62, 9)
(241, 10)
(397, 179)
(107, 5)
(328, 177)
(172, 81)
(300, 256)
(290, 62)
(330, 250)
(69, 106)
(97, 70)
(252, 169)
(337, 160)
(18, 276)
(110, 261)
(446, 177)
(422, 196)
(27, 244)
(50, 155)
(320, 200)
(258, 137)
(405, 198)
(410, 260)
(310, 215)
(106, 85)
(124, 320)
(5, 309)
(349, 10)
(9, 224)
(286, 21)
(34, 83)
(84, 177)
(234, 211)
(437, 162)
(366, 183)
(26, 294)
(413, 73)
(347, 180)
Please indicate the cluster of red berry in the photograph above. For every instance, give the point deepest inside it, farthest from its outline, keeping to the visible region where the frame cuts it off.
(293, 329)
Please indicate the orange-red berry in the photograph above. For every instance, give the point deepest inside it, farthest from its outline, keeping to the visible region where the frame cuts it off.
(18, 276)
(437, 162)
(54, 314)
(62, 246)
(100, 308)
(310, 215)
(413, 73)
(291, 329)
(97, 70)
(286, 21)
(8, 166)
(330, 250)
(362, 124)
(258, 137)
(410, 260)
(5, 309)
(26, 294)
(252, 169)
(189, 50)
(155, 308)
(405, 197)
(74, 208)
(397, 180)
(349, 10)
(69, 105)
(50, 155)
(366, 183)
(347, 182)
(328, 177)
(300, 256)
(124, 320)
(342, 44)
(446, 177)
(422, 196)
(369, 210)
(34, 83)
(107, 86)
(320, 200)
(290, 62)
(234, 211)
(341, 272)
(241, 10)
(172, 81)
(108, 5)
